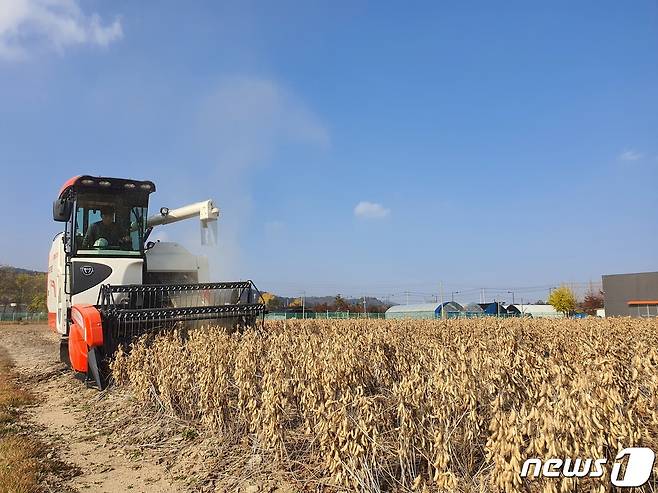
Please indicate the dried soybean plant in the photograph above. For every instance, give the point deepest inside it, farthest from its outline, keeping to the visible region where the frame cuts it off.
(415, 405)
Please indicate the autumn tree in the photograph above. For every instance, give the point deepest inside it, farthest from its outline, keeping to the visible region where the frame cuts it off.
(24, 288)
(23, 282)
(356, 307)
(38, 303)
(272, 302)
(592, 302)
(379, 308)
(563, 300)
(341, 304)
(7, 285)
(320, 307)
(276, 304)
(267, 297)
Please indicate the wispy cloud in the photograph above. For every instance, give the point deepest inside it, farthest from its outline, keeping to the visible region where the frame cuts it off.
(27, 25)
(630, 155)
(370, 210)
(275, 228)
(247, 118)
(243, 125)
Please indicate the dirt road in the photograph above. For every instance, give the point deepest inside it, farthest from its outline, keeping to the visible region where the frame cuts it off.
(62, 419)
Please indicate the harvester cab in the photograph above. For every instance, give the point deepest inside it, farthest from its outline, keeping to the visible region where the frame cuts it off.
(108, 284)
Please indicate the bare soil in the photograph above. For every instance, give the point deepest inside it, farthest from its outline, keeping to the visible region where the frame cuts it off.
(66, 417)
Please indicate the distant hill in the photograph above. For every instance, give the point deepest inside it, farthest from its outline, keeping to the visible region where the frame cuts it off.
(18, 270)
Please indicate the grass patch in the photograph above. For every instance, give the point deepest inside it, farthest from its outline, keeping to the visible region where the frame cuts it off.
(21, 464)
(23, 461)
(12, 396)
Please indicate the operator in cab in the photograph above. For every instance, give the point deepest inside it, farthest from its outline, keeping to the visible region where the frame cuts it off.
(105, 229)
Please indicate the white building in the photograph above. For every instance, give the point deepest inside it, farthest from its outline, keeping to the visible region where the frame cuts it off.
(538, 311)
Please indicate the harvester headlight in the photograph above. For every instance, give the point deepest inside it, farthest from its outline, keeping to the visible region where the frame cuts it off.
(104, 183)
(164, 211)
(129, 185)
(145, 186)
(87, 181)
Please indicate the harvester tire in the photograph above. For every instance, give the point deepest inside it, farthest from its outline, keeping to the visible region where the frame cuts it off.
(64, 351)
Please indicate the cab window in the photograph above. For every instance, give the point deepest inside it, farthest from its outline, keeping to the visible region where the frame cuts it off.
(109, 225)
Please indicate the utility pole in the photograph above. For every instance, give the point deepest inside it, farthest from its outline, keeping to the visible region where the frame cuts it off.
(443, 312)
(481, 295)
(303, 304)
(453, 295)
(365, 313)
(512, 292)
(550, 291)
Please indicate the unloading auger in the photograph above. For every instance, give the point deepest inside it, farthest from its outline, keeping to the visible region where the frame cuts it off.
(107, 284)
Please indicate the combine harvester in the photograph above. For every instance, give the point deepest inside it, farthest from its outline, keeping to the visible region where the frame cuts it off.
(107, 284)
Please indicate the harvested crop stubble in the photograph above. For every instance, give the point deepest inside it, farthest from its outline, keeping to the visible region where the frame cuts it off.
(409, 404)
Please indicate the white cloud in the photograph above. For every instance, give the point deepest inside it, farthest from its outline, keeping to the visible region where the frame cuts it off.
(370, 210)
(630, 155)
(26, 25)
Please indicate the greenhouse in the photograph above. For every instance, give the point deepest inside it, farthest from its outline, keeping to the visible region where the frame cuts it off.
(493, 308)
(424, 310)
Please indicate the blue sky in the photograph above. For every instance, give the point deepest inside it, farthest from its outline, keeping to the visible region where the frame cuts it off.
(361, 148)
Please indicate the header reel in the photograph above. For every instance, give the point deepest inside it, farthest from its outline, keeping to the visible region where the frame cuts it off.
(125, 313)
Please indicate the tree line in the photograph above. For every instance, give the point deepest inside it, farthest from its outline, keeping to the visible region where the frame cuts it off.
(564, 300)
(338, 304)
(27, 289)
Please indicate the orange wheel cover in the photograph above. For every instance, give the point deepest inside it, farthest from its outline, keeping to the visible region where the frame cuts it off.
(89, 319)
(77, 348)
(86, 331)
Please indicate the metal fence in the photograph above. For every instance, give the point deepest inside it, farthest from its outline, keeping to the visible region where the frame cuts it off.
(438, 316)
(321, 315)
(24, 316)
(400, 315)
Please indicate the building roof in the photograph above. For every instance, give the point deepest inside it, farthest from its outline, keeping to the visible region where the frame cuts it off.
(493, 308)
(474, 308)
(417, 307)
(536, 309)
(451, 306)
(631, 274)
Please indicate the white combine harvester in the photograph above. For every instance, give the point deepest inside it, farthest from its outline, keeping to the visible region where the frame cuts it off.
(108, 284)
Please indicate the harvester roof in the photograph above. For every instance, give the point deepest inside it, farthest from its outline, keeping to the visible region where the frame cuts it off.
(93, 183)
